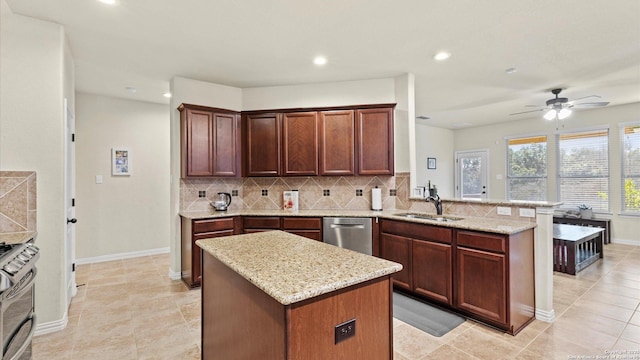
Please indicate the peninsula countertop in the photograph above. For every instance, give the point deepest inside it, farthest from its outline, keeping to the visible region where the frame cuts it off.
(499, 226)
(291, 268)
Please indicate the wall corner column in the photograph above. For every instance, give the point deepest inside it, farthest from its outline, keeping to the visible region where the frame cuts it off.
(543, 252)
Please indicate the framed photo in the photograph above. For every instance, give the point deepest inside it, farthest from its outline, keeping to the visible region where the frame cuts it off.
(431, 163)
(418, 192)
(120, 162)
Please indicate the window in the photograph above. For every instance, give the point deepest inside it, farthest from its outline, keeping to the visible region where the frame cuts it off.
(630, 168)
(527, 168)
(583, 169)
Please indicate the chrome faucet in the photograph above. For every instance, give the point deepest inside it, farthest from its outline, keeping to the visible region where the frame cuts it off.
(434, 198)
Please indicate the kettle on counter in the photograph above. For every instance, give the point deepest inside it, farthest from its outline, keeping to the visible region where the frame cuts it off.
(223, 203)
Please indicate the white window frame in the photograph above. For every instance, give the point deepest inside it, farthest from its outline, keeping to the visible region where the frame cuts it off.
(508, 164)
(558, 170)
(623, 211)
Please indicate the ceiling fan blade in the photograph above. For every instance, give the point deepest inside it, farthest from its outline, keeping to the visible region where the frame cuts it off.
(582, 98)
(524, 112)
(592, 104)
(535, 106)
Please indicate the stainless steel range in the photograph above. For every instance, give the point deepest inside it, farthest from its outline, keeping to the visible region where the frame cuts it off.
(17, 316)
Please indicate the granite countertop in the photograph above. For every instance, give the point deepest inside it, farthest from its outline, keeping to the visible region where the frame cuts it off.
(291, 268)
(492, 225)
(17, 237)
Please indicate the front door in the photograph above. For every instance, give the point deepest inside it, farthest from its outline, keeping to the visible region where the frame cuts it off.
(472, 179)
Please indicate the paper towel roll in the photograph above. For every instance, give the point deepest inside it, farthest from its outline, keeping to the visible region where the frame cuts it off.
(376, 199)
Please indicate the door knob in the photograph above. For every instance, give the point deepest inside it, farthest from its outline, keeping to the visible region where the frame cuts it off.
(73, 221)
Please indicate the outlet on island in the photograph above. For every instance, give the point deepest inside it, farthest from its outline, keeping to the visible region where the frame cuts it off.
(345, 330)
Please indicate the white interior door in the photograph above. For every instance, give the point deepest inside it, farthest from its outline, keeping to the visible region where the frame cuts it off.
(472, 174)
(69, 180)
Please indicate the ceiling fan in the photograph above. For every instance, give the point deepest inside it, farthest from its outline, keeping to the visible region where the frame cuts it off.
(560, 107)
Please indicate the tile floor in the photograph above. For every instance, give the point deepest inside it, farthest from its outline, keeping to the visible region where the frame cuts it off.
(147, 316)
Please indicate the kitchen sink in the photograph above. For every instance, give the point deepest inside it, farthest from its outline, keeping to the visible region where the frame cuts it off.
(429, 217)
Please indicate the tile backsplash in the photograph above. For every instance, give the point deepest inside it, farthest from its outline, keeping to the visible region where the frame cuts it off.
(18, 201)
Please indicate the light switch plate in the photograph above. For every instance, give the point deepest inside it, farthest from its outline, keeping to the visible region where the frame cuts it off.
(98, 179)
(530, 213)
(502, 210)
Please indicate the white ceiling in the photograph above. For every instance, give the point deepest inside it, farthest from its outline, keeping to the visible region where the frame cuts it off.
(587, 47)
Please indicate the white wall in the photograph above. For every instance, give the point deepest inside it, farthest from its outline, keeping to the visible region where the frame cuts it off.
(434, 142)
(492, 137)
(125, 213)
(34, 79)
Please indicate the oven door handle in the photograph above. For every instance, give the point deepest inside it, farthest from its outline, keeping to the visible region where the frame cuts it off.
(28, 339)
(24, 287)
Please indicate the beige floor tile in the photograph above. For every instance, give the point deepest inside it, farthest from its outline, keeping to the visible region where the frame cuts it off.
(610, 311)
(483, 345)
(446, 352)
(611, 299)
(547, 346)
(580, 320)
(624, 344)
(635, 320)
(631, 333)
(413, 343)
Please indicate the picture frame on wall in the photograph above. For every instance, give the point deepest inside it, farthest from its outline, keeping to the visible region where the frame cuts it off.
(431, 163)
(120, 162)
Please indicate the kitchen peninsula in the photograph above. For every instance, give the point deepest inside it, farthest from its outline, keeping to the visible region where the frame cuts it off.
(275, 295)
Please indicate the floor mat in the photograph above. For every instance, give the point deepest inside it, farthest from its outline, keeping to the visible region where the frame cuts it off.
(425, 317)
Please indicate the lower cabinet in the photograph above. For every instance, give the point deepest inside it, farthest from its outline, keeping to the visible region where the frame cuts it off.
(487, 276)
(196, 229)
(309, 227)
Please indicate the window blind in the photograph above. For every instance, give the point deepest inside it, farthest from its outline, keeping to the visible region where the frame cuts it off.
(583, 169)
(527, 168)
(630, 168)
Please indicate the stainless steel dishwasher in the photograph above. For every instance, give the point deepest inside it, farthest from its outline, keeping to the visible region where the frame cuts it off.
(349, 233)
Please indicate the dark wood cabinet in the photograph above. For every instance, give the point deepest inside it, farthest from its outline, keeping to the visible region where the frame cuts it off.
(309, 227)
(196, 229)
(210, 142)
(374, 129)
(262, 144)
(337, 132)
(398, 248)
(300, 144)
(428, 253)
(495, 278)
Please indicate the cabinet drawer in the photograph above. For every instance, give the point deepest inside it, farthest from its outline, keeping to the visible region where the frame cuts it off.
(213, 234)
(210, 225)
(311, 234)
(490, 242)
(261, 222)
(417, 231)
(301, 223)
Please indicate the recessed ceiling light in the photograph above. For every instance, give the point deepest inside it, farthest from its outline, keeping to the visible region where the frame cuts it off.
(320, 60)
(422, 117)
(442, 55)
(167, 95)
(131, 89)
(511, 70)
(108, 2)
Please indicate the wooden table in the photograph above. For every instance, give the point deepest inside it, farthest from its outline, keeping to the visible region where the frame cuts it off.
(601, 223)
(576, 247)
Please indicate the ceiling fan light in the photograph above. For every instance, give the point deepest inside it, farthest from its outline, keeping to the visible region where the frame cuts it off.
(564, 113)
(550, 115)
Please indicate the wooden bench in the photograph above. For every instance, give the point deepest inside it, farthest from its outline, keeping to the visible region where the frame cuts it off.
(576, 247)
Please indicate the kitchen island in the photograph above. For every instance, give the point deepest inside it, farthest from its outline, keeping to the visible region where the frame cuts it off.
(276, 295)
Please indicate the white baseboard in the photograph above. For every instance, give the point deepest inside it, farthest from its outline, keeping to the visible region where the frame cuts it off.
(175, 275)
(120, 256)
(546, 316)
(52, 326)
(625, 242)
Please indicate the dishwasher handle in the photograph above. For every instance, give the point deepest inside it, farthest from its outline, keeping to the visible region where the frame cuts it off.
(349, 226)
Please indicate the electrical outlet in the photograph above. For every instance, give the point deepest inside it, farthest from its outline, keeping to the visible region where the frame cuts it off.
(504, 210)
(345, 330)
(530, 213)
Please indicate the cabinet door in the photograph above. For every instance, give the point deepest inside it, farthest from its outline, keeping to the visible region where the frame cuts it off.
(398, 249)
(196, 255)
(375, 141)
(482, 288)
(337, 137)
(262, 144)
(197, 143)
(226, 144)
(300, 143)
(432, 270)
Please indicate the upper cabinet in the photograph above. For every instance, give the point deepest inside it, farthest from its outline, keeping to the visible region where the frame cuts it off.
(210, 142)
(337, 142)
(375, 141)
(262, 144)
(300, 143)
(348, 141)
